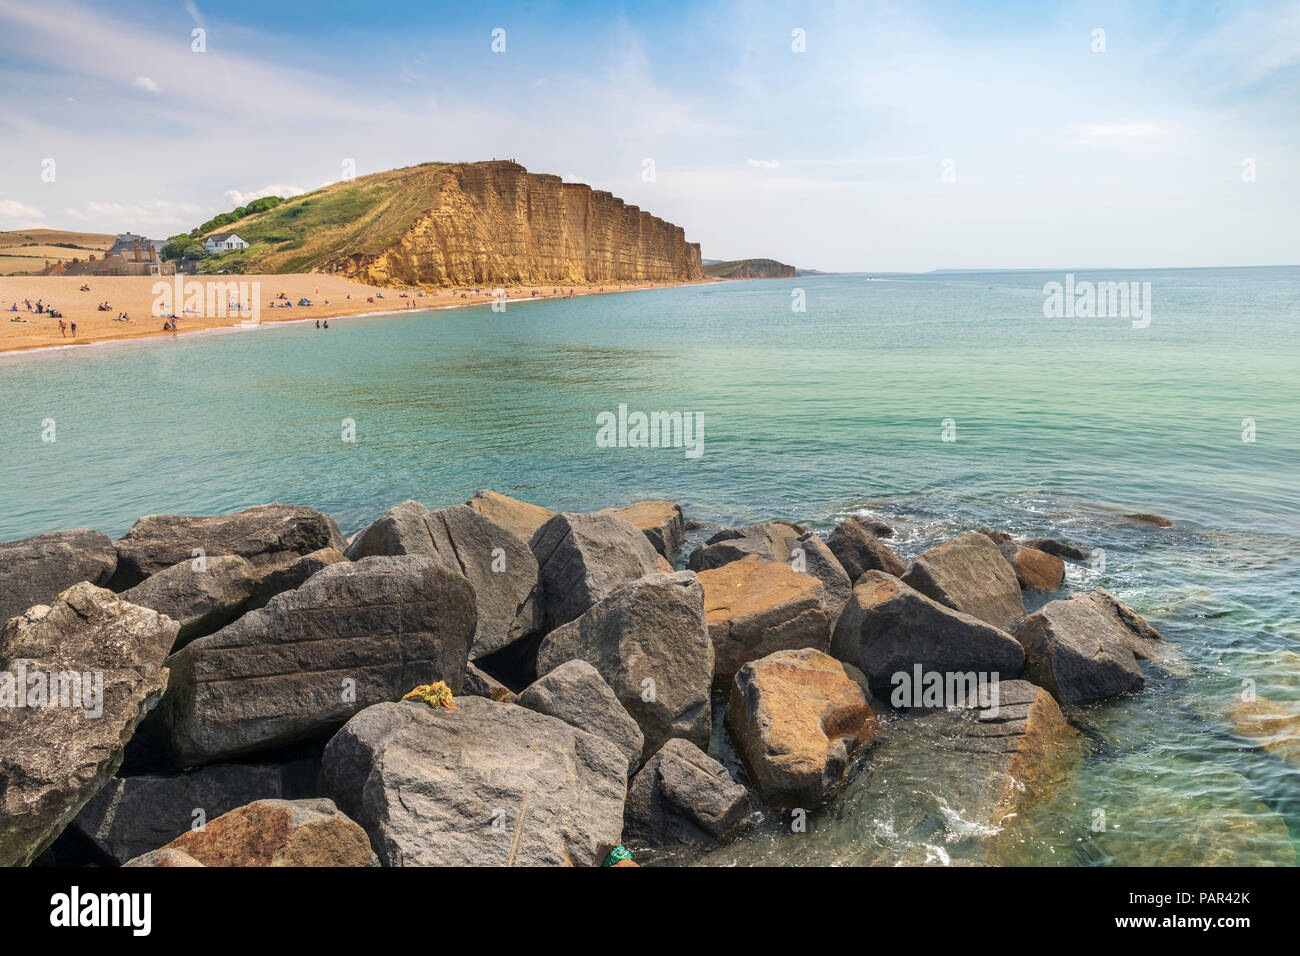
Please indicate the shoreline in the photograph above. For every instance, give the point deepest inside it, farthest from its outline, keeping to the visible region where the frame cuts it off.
(100, 328)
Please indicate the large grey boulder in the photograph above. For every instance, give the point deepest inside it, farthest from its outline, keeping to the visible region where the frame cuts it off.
(264, 535)
(1079, 651)
(353, 635)
(402, 529)
(486, 784)
(970, 574)
(61, 744)
(682, 796)
(889, 628)
(814, 557)
(650, 644)
(576, 694)
(200, 594)
(289, 572)
(132, 815)
(583, 559)
(36, 570)
(1146, 642)
(859, 550)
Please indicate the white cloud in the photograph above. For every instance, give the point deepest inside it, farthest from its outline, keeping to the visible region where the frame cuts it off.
(238, 198)
(15, 215)
(144, 83)
(763, 163)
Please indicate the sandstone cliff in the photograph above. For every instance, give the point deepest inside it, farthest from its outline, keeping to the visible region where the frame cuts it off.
(749, 269)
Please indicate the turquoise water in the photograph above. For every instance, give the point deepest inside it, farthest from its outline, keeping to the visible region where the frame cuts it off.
(1061, 424)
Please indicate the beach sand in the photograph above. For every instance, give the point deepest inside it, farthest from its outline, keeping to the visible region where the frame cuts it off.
(135, 296)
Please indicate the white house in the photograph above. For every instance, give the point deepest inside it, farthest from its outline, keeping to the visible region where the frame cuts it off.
(223, 242)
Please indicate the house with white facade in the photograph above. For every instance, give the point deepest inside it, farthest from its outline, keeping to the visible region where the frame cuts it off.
(223, 242)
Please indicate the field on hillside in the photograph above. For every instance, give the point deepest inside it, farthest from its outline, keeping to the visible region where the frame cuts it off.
(26, 250)
(356, 216)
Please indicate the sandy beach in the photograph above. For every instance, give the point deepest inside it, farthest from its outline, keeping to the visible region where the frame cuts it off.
(134, 295)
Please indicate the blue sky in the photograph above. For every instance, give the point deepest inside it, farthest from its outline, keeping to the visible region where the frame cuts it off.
(906, 136)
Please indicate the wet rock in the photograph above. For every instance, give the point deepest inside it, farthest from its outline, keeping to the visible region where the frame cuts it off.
(57, 755)
(479, 683)
(753, 607)
(888, 628)
(682, 796)
(583, 559)
(662, 523)
(37, 570)
(1078, 652)
(1059, 549)
(486, 784)
(132, 815)
(201, 595)
(859, 550)
(272, 833)
(1154, 521)
(575, 693)
(518, 517)
(969, 574)
(650, 643)
(1035, 570)
(264, 535)
(797, 716)
(354, 634)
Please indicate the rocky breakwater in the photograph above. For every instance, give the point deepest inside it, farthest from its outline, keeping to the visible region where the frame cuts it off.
(496, 223)
(496, 684)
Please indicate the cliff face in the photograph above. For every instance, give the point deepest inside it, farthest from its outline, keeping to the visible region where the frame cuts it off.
(750, 269)
(495, 223)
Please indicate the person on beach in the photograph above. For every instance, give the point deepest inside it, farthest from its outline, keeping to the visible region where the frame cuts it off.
(327, 323)
(73, 326)
(318, 323)
(63, 330)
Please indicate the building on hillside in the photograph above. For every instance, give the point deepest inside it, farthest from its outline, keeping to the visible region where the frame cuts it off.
(137, 261)
(223, 242)
(125, 242)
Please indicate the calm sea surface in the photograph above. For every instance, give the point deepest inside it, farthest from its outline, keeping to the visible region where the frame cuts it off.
(1061, 424)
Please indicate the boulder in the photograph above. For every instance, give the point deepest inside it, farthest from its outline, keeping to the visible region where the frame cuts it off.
(796, 717)
(163, 857)
(583, 559)
(402, 529)
(662, 523)
(106, 656)
(753, 607)
(132, 815)
(355, 634)
(37, 570)
(518, 517)
(486, 784)
(1078, 651)
(682, 796)
(1145, 641)
(264, 535)
(201, 595)
(821, 563)
(1057, 548)
(272, 833)
(888, 628)
(289, 572)
(575, 693)
(479, 683)
(859, 550)
(649, 642)
(1035, 570)
(969, 574)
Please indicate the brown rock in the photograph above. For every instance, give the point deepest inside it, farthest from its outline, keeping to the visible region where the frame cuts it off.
(753, 607)
(969, 574)
(1155, 521)
(797, 716)
(1275, 727)
(858, 550)
(277, 833)
(518, 517)
(661, 521)
(163, 857)
(998, 537)
(1035, 570)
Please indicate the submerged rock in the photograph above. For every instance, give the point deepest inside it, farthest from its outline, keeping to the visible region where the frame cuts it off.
(662, 523)
(486, 784)
(353, 635)
(37, 570)
(888, 628)
(1154, 521)
(65, 742)
(200, 595)
(264, 535)
(270, 833)
(583, 559)
(753, 607)
(969, 574)
(858, 549)
(1273, 726)
(518, 517)
(575, 693)
(650, 643)
(797, 716)
(682, 796)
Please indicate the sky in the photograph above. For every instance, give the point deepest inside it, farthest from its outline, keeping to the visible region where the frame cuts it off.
(869, 137)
